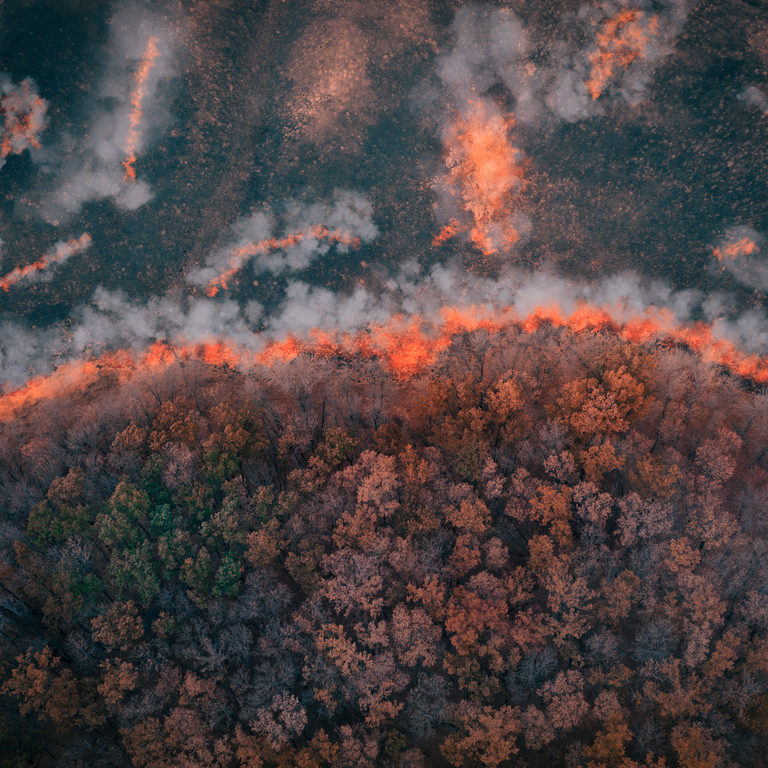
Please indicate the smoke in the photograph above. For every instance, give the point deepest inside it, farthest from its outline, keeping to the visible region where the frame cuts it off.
(488, 44)
(26, 352)
(130, 110)
(604, 54)
(308, 231)
(111, 321)
(308, 307)
(23, 117)
(39, 271)
(485, 174)
(425, 294)
(740, 251)
(497, 75)
(754, 97)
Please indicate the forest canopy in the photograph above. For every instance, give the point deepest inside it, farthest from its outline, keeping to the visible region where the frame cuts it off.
(547, 549)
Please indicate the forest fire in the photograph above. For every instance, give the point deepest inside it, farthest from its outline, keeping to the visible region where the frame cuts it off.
(486, 174)
(23, 115)
(61, 252)
(239, 256)
(137, 96)
(742, 247)
(406, 345)
(620, 40)
(451, 229)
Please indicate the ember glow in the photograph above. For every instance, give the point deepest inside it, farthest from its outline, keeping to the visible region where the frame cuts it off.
(240, 256)
(486, 176)
(620, 40)
(137, 96)
(451, 229)
(528, 124)
(23, 117)
(742, 247)
(408, 380)
(58, 255)
(407, 345)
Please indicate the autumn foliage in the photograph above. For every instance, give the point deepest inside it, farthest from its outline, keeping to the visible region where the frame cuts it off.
(547, 549)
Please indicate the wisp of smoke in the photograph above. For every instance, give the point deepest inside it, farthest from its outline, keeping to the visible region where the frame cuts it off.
(609, 55)
(39, 270)
(22, 113)
(740, 251)
(754, 97)
(137, 96)
(102, 164)
(308, 232)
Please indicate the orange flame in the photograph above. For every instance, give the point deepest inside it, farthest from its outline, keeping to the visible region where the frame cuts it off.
(238, 256)
(134, 120)
(451, 229)
(620, 40)
(23, 117)
(743, 247)
(62, 252)
(486, 171)
(407, 346)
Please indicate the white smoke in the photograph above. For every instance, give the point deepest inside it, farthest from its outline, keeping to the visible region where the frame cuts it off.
(111, 321)
(42, 270)
(349, 214)
(90, 168)
(22, 114)
(552, 77)
(754, 97)
(741, 252)
(254, 229)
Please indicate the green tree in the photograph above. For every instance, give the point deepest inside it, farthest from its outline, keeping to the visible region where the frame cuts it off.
(120, 523)
(64, 514)
(227, 582)
(135, 570)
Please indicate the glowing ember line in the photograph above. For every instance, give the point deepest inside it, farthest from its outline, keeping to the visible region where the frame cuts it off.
(137, 96)
(620, 40)
(486, 173)
(743, 247)
(61, 252)
(451, 229)
(23, 114)
(407, 346)
(239, 256)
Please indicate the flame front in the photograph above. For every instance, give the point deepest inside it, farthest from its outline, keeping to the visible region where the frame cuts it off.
(451, 229)
(137, 96)
(486, 173)
(23, 114)
(61, 252)
(407, 346)
(620, 40)
(239, 256)
(742, 247)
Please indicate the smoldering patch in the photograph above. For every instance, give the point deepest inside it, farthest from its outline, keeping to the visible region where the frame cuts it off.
(332, 96)
(335, 65)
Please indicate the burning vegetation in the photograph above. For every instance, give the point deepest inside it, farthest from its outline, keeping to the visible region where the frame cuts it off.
(534, 541)
(486, 176)
(147, 63)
